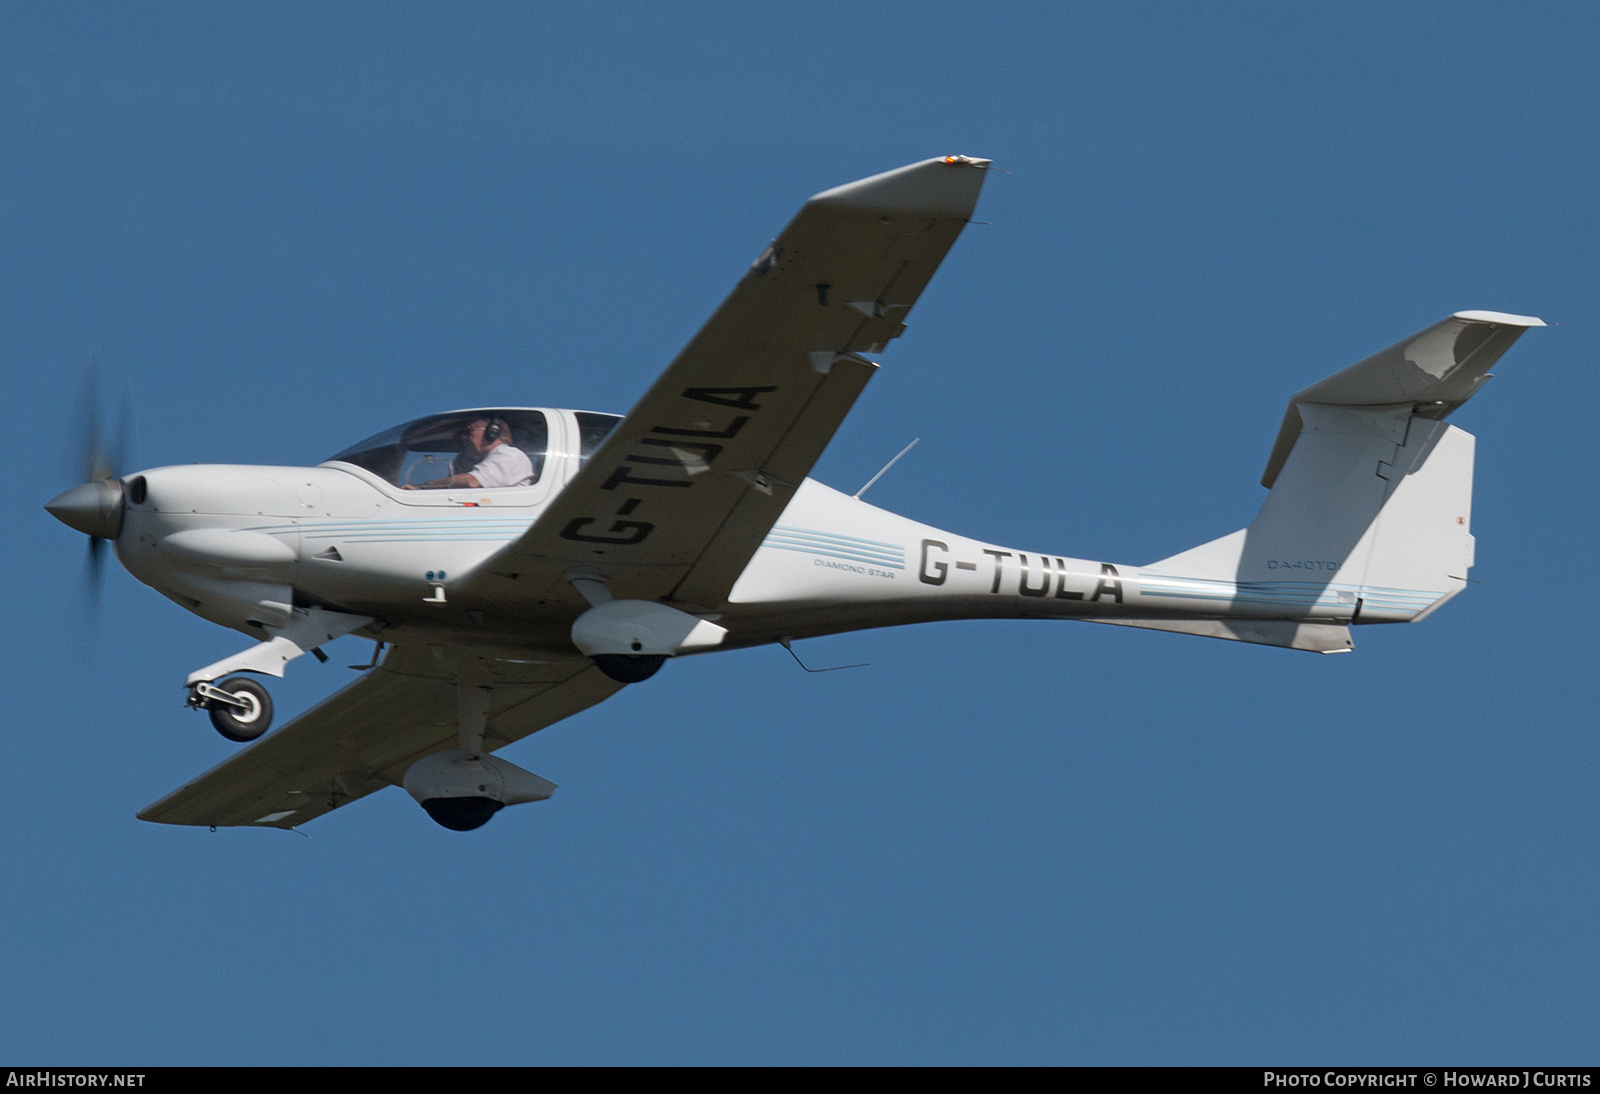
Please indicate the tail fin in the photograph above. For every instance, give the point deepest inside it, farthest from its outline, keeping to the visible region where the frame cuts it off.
(1369, 518)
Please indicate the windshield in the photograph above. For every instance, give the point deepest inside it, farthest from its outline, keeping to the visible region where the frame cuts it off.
(592, 429)
(495, 448)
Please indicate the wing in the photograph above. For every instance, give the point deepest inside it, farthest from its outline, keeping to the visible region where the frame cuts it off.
(364, 737)
(683, 491)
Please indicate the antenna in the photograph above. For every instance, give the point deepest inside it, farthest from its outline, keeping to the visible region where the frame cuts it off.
(886, 467)
(785, 642)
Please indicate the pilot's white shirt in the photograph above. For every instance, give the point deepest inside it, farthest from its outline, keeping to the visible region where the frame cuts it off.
(505, 465)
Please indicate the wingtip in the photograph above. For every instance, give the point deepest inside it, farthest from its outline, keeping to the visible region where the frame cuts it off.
(1499, 318)
(928, 188)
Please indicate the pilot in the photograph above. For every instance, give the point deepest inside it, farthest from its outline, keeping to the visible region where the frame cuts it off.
(499, 462)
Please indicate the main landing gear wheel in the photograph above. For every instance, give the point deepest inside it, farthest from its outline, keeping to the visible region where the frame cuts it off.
(247, 720)
(626, 668)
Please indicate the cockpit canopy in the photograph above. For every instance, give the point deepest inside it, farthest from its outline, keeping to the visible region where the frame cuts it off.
(433, 448)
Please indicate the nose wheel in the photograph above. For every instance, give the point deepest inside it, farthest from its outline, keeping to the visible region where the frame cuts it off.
(240, 708)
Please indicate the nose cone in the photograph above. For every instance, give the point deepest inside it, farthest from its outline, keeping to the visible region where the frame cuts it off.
(95, 508)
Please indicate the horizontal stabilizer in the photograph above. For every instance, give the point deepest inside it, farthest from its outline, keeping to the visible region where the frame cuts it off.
(1433, 372)
(1316, 637)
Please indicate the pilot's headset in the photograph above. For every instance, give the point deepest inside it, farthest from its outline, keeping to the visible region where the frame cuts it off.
(493, 430)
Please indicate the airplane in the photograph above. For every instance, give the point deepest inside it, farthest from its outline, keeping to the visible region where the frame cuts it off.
(517, 565)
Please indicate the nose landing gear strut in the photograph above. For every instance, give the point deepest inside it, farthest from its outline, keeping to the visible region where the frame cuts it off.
(240, 708)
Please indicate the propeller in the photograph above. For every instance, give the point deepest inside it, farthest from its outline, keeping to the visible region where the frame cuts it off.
(95, 506)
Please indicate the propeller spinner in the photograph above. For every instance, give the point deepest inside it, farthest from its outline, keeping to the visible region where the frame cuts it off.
(95, 506)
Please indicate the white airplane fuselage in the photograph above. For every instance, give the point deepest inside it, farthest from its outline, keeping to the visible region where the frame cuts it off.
(243, 546)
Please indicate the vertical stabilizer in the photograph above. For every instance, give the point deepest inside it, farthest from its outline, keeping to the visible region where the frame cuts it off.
(1370, 512)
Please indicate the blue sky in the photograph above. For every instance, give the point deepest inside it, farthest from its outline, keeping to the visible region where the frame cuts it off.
(288, 227)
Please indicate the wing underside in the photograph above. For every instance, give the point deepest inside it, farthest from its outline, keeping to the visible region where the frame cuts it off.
(364, 737)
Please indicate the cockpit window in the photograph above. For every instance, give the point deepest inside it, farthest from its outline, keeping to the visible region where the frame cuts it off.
(429, 451)
(592, 429)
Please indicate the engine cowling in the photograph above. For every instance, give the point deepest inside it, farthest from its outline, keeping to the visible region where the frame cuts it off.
(463, 794)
